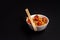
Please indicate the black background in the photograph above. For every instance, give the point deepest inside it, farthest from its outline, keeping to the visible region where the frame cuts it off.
(14, 27)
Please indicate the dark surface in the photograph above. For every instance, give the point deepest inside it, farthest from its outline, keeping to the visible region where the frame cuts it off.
(14, 27)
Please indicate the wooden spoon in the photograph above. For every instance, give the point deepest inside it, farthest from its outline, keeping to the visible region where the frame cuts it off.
(33, 24)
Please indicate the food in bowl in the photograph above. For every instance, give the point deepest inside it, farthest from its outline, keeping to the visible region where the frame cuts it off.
(40, 21)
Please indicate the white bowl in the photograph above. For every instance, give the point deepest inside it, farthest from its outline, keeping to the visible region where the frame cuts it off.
(39, 28)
